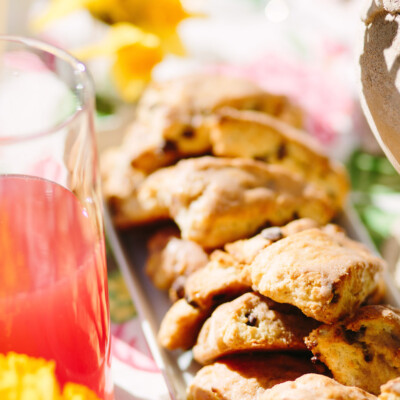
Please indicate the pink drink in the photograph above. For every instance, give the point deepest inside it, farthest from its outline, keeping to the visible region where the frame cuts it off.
(53, 282)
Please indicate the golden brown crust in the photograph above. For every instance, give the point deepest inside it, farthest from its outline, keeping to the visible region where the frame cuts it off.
(222, 279)
(245, 250)
(120, 182)
(326, 275)
(246, 377)
(362, 351)
(170, 257)
(249, 323)
(313, 386)
(180, 326)
(215, 201)
(147, 149)
(250, 134)
(175, 116)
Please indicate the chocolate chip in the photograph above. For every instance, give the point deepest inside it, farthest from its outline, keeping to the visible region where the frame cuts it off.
(368, 357)
(169, 145)
(274, 233)
(191, 302)
(251, 320)
(350, 336)
(296, 215)
(282, 151)
(354, 336)
(177, 290)
(188, 133)
(336, 297)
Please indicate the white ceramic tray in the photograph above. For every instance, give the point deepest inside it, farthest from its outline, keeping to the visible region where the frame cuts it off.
(178, 367)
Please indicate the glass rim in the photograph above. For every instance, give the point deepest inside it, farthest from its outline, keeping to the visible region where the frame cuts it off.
(76, 65)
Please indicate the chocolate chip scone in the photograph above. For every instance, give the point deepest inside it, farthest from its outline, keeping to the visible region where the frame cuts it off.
(170, 258)
(246, 377)
(390, 390)
(313, 386)
(251, 323)
(325, 274)
(363, 350)
(250, 134)
(225, 277)
(173, 117)
(217, 200)
(227, 274)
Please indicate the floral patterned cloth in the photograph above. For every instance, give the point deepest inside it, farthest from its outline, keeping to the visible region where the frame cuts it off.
(135, 373)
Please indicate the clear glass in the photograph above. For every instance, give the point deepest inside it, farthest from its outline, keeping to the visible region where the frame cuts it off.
(53, 278)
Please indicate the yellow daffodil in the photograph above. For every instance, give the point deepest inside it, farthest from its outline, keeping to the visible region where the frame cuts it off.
(135, 54)
(141, 33)
(28, 378)
(161, 17)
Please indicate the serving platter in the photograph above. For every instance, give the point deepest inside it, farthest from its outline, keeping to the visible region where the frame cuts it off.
(177, 367)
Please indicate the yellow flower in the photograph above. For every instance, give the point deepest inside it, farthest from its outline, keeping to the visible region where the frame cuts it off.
(157, 16)
(160, 17)
(28, 378)
(141, 33)
(135, 54)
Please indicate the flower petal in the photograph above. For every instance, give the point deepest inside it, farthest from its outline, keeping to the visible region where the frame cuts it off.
(120, 35)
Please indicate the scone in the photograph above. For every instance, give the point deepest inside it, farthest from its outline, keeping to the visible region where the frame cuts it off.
(222, 279)
(227, 274)
(251, 323)
(313, 386)
(246, 377)
(172, 119)
(250, 134)
(119, 187)
(170, 258)
(362, 351)
(390, 390)
(325, 274)
(225, 277)
(218, 200)
(180, 326)
(245, 250)
(186, 316)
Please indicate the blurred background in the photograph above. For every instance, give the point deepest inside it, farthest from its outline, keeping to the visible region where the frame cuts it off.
(305, 49)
